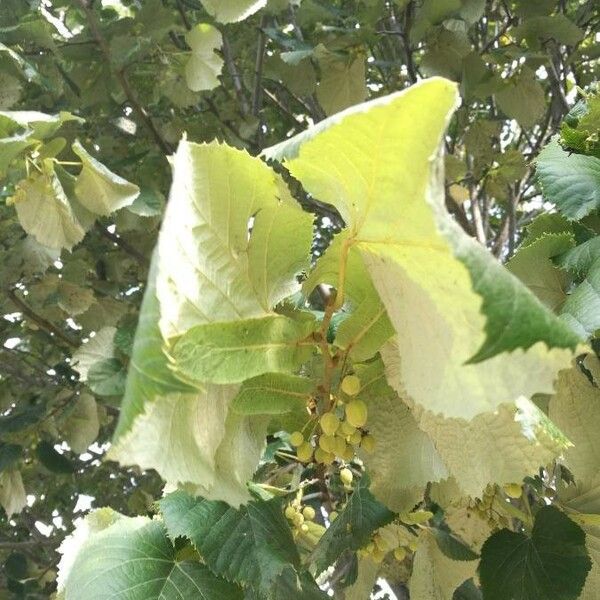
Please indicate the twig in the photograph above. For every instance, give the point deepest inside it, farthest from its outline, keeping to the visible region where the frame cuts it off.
(124, 245)
(39, 320)
(184, 18)
(122, 78)
(235, 76)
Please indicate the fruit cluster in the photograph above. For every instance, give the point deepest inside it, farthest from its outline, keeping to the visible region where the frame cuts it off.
(340, 429)
(392, 538)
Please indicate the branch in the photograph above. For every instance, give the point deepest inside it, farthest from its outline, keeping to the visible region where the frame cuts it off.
(235, 76)
(39, 320)
(122, 78)
(27, 544)
(184, 18)
(124, 245)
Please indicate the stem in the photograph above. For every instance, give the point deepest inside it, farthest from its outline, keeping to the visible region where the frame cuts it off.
(39, 320)
(235, 76)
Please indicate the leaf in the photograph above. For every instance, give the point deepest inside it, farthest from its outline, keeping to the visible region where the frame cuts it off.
(551, 564)
(396, 481)
(230, 11)
(543, 28)
(353, 527)
(209, 269)
(192, 438)
(499, 447)
(133, 558)
(40, 124)
(12, 492)
(434, 575)
(44, 210)
(342, 83)
(522, 98)
(532, 264)
(100, 190)
(252, 546)
(11, 147)
(82, 426)
(579, 260)
(9, 455)
(367, 326)
(237, 350)
(575, 408)
(107, 377)
(97, 348)
(581, 309)
(272, 394)
(53, 461)
(435, 281)
(368, 570)
(570, 181)
(204, 65)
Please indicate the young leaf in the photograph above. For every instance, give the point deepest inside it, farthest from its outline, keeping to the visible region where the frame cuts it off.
(12, 493)
(551, 564)
(229, 11)
(100, 190)
(237, 350)
(353, 527)
(44, 210)
(204, 64)
(272, 394)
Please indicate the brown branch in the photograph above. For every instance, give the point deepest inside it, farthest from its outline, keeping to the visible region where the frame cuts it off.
(122, 78)
(184, 18)
(123, 244)
(39, 320)
(235, 76)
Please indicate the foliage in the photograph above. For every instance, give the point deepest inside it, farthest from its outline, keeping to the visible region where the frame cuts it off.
(311, 353)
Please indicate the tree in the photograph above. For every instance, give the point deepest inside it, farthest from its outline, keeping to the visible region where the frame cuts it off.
(309, 368)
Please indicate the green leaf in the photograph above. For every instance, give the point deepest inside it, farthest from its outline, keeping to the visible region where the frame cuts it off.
(209, 268)
(12, 493)
(575, 408)
(540, 29)
(107, 377)
(132, 558)
(435, 576)
(11, 147)
(395, 481)
(9, 455)
(100, 347)
(100, 190)
(522, 98)
(234, 351)
(252, 546)
(82, 426)
(578, 261)
(272, 394)
(353, 527)
(532, 264)
(53, 460)
(44, 210)
(499, 447)
(366, 326)
(581, 310)
(434, 280)
(40, 124)
(551, 564)
(368, 570)
(229, 11)
(204, 65)
(342, 82)
(570, 181)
